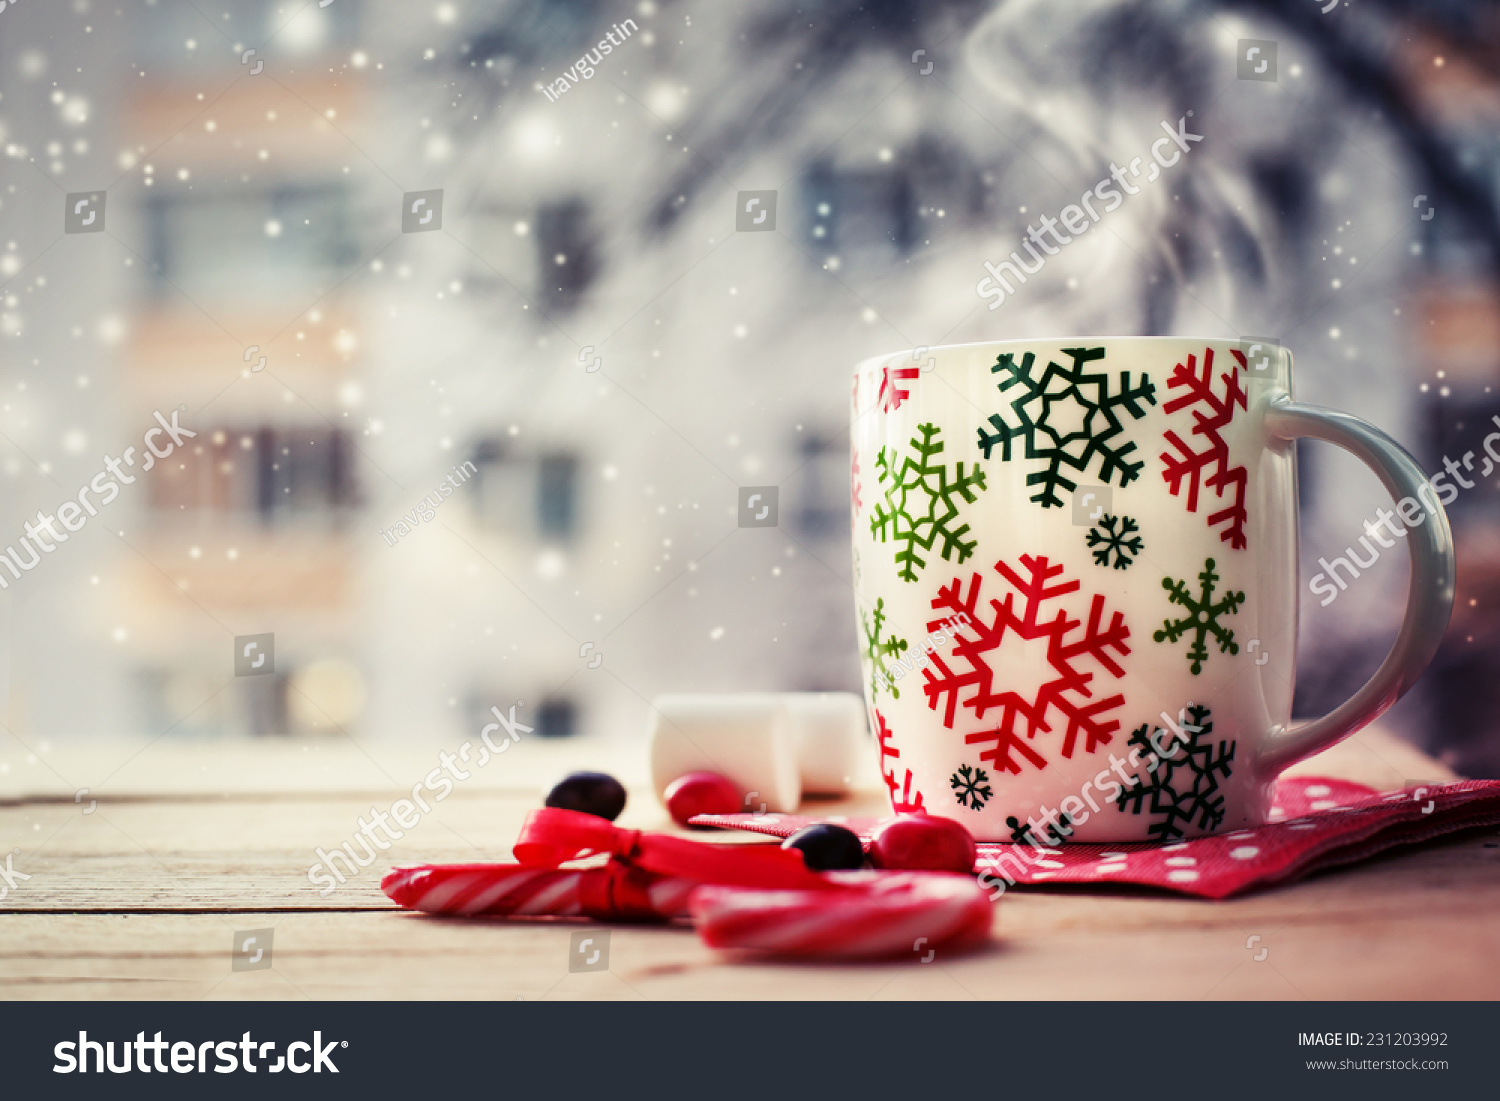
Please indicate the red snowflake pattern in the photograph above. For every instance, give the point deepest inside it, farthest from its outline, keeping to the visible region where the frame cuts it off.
(1188, 464)
(891, 395)
(854, 485)
(901, 792)
(977, 640)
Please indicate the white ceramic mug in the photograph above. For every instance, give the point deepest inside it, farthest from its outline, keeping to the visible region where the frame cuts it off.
(1076, 581)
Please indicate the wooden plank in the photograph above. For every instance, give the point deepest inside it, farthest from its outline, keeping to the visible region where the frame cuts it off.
(253, 852)
(1416, 925)
(142, 897)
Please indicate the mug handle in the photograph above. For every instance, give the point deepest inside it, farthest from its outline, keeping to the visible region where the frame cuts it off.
(1429, 597)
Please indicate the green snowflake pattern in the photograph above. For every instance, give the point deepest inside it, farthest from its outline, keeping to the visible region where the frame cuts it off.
(971, 787)
(878, 650)
(1113, 534)
(1069, 419)
(1202, 618)
(905, 482)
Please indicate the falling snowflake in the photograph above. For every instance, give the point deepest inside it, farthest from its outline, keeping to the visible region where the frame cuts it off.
(907, 479)
(970, 786)
(891, 395)
(1112, 533)
(1188, 464)
(902, 800)
(1192, 759)
(1202, 618)
(1068, 418)
(878, 650)
(1069, 693)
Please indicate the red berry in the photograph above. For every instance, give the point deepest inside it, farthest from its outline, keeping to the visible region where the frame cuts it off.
(922, 843)
(701, 793)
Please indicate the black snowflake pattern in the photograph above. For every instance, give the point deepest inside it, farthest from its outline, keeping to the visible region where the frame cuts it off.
(1068, 418)
(970, 787)
(1182, 786)
(1202, 616)
(1114, 534)
(1023, 833)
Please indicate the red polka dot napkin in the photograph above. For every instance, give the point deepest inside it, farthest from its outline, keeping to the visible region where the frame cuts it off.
(1315, 824)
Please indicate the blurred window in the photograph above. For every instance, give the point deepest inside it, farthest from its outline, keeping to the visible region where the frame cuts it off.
(557, 495)
(853, 210)
(542, 492)
(274, 474)
(567, 255)
(1457, 426)
(869, 213)
(184, 37)
(286, 241)
(821, 486)
(532, 34)
(557, 718)
(1450, 243)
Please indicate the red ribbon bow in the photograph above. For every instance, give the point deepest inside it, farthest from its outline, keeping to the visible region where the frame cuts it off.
(755, 897)
(551, 836)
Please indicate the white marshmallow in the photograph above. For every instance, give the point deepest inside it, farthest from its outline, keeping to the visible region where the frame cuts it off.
(831, 732)
(747, 737)
(776, 744)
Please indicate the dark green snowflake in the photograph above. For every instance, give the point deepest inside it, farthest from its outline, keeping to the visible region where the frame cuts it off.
(1068, 419)
(1202, 618)
(1182, 786)
(921, 482)
(878, 650)
(1023, 833)
(970, 786)
(1113, 533)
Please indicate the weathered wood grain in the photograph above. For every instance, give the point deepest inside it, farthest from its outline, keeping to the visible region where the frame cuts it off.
(142, 897)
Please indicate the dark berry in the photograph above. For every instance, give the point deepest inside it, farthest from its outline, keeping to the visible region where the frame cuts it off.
(596, 793)
(827, 848)
(701, 793)
(922, 843)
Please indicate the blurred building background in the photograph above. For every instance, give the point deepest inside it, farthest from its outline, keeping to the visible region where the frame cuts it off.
(587, 328)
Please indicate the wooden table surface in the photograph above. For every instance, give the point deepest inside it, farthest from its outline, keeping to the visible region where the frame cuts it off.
(141, 897)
